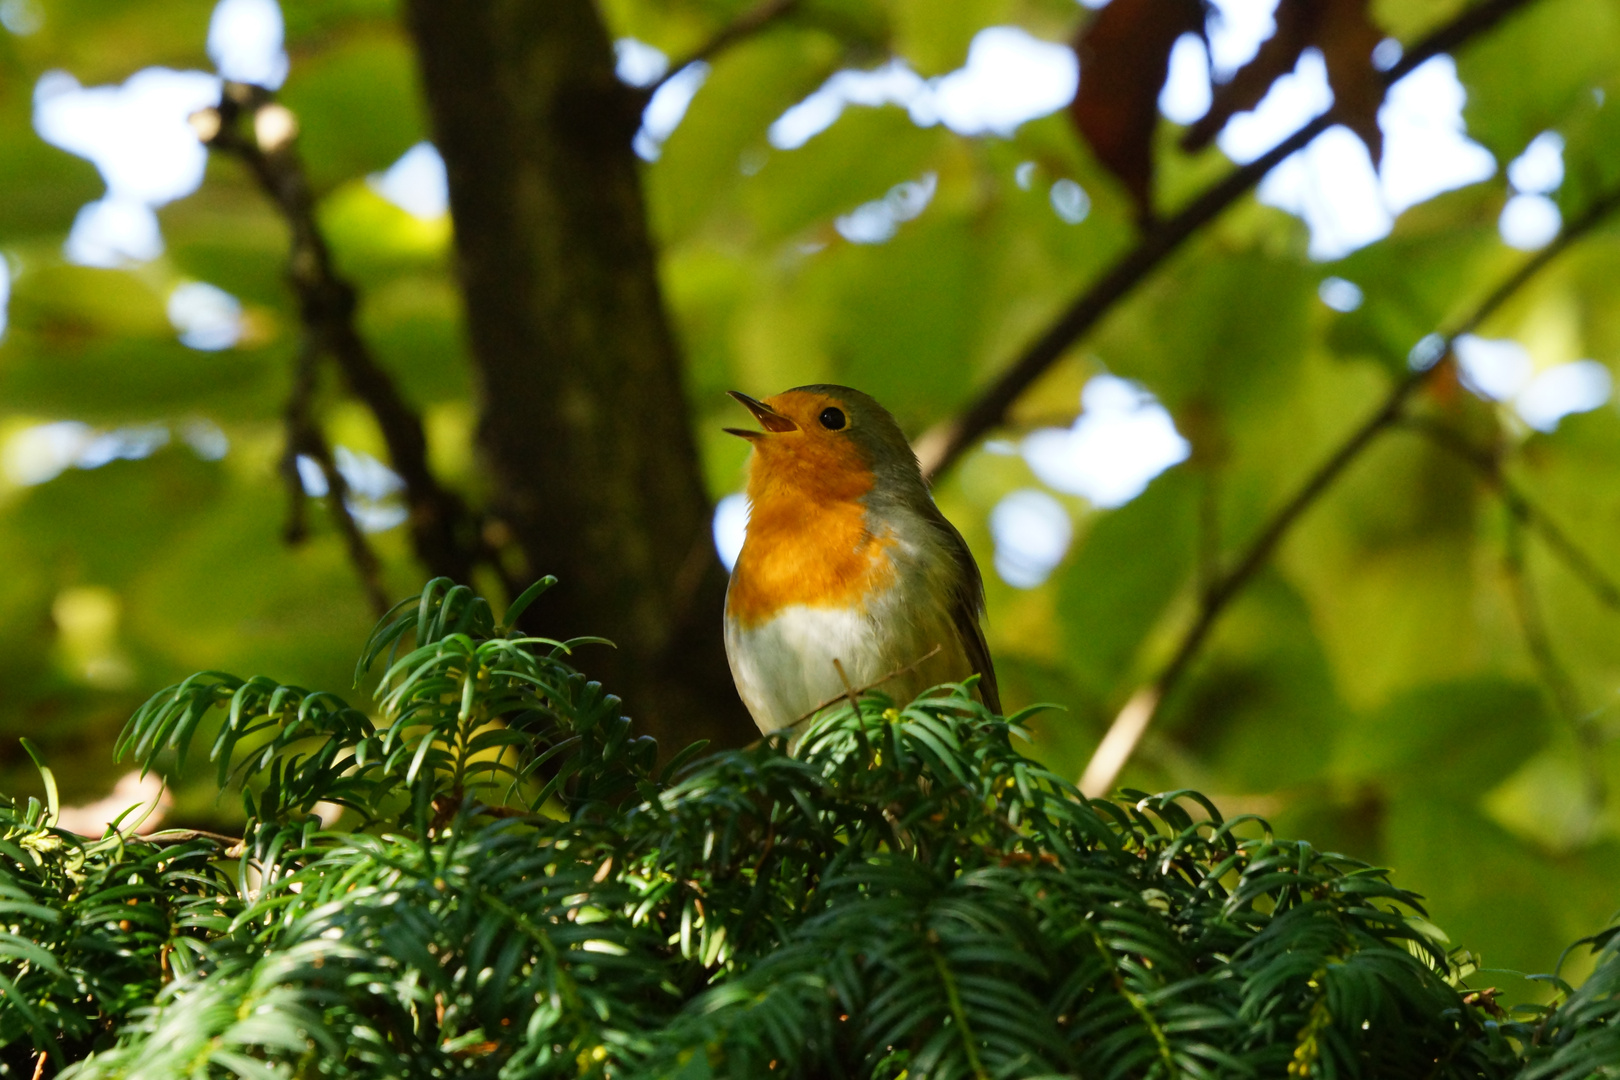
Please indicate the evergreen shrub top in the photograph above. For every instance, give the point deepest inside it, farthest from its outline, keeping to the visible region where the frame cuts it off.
(519, 891)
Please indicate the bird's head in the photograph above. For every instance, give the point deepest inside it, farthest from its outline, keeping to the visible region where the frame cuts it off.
(828, 443)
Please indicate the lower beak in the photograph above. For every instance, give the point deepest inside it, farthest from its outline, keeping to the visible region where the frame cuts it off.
(768, 418)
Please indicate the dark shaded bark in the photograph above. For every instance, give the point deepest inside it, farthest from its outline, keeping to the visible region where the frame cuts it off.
(584, 420)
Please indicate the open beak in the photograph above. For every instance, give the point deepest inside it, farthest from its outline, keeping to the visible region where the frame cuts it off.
(768, 418)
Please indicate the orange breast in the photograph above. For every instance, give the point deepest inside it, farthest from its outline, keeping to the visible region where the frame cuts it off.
(818, 555)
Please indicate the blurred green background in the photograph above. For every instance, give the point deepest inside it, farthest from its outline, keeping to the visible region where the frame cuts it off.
(1415, 679)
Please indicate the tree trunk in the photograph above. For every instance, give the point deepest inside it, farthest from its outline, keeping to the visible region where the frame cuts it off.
(583, 416)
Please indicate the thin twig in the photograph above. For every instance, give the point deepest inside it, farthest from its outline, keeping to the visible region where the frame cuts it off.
(304, 439)
(939, 448)
(1537, 639)
(849, 690)
(1523, 515)
(1538, 642)
(1209, 529)
(855, 710)
(742, 27)
(297, 417)
(1143, 705)
(1575, 560)
(853, 694)
(327, 305)
(361, 554)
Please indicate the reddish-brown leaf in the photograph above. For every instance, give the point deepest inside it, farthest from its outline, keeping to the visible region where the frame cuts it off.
(1347, 39)
(1243, 91)
(1344, 32)
(1124, 58)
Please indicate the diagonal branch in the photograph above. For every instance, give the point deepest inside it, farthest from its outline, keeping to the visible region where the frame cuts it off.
(304, 439)
(939, 447)
(1538, 640)
(744, 26)
(852, 693)
(1489, 465)
(1139, 712)
(1524, 515)
(326, 304)
(1566, 698)
(295, 416)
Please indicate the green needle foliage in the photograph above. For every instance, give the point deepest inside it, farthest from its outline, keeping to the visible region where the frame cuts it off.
(522, 892)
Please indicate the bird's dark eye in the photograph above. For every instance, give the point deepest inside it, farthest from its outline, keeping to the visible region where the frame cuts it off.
(832, 419)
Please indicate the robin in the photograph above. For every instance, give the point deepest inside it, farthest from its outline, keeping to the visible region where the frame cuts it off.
(849, 575)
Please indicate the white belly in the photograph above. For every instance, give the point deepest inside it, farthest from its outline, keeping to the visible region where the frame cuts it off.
(784, 667)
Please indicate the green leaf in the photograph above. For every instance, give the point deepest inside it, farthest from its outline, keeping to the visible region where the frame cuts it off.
(53, 802)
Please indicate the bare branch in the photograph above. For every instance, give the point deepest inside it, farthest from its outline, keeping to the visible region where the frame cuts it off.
(939, 447)
(360, 553)
(1534, 627)
(304, 439)
(1468, 24)
(1519, 505)
(1139, 711)
(850, 695)
(1523, 514)
(739, 29)
(1119, 741)
(1209, 529)
(855, 707)
(297, 417)
(326, 305)
(1538, 642)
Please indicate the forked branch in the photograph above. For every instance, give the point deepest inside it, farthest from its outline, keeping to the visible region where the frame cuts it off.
(248, 125)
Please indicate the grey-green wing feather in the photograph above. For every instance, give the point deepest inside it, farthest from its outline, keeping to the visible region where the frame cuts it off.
(966, 608)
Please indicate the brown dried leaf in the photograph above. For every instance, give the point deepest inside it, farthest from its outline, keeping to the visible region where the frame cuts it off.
(1276, 58)
(1344, 32)
(1347, 39)
(1124, 57)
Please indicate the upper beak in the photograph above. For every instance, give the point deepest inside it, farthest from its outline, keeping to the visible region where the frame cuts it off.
(768, 418)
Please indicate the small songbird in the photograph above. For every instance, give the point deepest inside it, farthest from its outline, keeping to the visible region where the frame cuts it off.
(846, 558)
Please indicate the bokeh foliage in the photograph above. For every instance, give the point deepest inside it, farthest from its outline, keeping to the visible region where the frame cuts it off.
(1371, 691)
